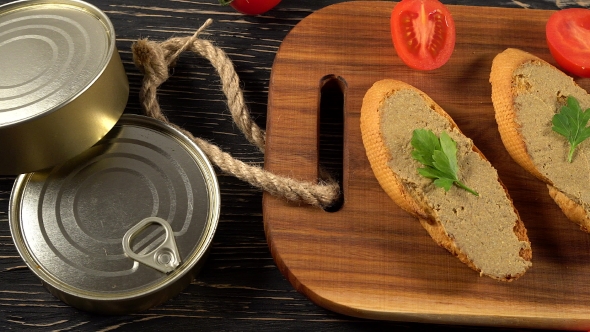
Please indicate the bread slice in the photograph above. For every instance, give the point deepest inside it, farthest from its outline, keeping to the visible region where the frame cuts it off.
(485, 232)
(526, 93)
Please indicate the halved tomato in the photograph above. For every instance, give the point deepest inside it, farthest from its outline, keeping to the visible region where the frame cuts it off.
(568, 37)
(423, 33)
(251, 7)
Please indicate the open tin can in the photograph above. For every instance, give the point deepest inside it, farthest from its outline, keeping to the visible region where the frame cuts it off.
(62, 83)
(123, 226)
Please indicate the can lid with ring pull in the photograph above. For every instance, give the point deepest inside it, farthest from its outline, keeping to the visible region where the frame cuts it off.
(68, 222)
(165, 258)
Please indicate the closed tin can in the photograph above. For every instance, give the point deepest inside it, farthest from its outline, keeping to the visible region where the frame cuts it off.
(62, 83)
(123, 226)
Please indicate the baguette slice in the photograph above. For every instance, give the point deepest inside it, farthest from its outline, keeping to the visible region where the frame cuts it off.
(526, 93)
(485, 231)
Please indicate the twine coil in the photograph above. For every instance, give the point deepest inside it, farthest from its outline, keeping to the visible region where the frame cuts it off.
(155, 59)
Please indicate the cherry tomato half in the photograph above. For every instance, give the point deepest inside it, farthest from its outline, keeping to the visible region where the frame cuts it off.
(568, 37)
(251, 7)
(423, 33)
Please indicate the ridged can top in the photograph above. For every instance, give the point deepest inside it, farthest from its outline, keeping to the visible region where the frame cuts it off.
(51, 52)
(62, 83)
(83, 226)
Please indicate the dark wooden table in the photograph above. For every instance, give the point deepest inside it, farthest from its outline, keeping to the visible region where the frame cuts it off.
(240, 287)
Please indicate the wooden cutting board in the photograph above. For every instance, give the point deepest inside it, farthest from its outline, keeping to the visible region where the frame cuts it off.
(371, 259)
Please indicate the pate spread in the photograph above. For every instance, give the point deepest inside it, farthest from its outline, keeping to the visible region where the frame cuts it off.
(481, 226)
(541, 91)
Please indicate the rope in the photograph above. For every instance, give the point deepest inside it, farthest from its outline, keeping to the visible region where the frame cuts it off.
(155, 59)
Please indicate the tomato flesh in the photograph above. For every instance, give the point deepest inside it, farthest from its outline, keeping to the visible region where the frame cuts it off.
(423, 33)
(568, 38)
(253, 7)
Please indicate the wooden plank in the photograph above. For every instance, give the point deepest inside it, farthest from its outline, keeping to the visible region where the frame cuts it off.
(371, 259)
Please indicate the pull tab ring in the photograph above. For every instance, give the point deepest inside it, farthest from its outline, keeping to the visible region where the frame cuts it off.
(165, 258)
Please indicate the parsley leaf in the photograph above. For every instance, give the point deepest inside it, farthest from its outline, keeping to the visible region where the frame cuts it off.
(439, 155)
(571, 122)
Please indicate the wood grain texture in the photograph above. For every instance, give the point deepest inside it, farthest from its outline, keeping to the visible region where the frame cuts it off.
(371, 259)
(240, 287)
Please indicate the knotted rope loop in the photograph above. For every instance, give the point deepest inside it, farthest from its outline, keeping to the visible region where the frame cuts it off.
(155, 59)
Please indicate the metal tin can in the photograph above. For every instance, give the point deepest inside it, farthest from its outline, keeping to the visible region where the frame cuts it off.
(123, 226)
(62, 83)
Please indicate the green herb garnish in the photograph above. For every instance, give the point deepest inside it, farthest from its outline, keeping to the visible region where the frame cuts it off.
(571, 122)
(440, 158)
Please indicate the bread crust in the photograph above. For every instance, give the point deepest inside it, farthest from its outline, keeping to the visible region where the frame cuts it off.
(504, 92)
(379, 156)
(572, 210)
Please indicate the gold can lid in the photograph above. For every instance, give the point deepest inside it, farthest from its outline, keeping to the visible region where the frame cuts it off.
(53, 53)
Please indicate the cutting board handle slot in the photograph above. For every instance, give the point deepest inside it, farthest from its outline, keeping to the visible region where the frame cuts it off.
(331, 132)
